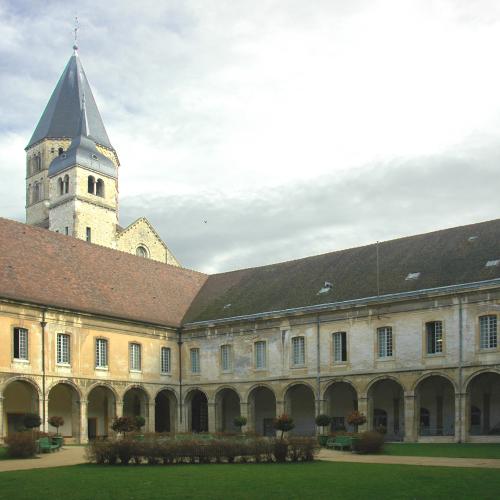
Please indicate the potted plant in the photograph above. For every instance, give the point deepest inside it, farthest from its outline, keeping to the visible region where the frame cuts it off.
(32, 421)
(356, 418)
(240, 422)
(283, 423)
(56, 422)
(122, 425)
(323, 421)
(139, 422)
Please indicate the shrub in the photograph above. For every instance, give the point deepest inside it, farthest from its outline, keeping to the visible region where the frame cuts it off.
(126, 449)
(240, 422)
(283, 423)
(139, 422)
(302, 449)
(356, 418)
(21, 445)
(381, 429)
(369, 442)
(323, 420)
(280, 450)
(124, 424)
(32, 420)
(56, 422)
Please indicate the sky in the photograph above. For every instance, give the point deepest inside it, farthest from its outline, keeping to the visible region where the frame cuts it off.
(257, 131)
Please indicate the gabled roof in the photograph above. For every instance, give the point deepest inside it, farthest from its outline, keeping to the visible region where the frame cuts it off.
(42, 267)
(62, 115)
(448, 257)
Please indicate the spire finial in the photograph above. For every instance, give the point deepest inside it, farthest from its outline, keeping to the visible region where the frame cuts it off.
(75, 31)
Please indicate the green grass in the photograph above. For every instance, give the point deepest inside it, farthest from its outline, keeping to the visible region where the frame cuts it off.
(451, 450)
(260, 481)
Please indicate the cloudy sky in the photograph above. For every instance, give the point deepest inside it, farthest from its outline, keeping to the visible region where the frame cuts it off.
(291, 127)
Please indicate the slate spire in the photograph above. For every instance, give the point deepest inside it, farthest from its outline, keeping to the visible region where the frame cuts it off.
(62, 115)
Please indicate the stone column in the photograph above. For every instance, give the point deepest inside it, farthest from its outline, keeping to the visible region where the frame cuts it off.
(280, 408)
(244, 413)
(44, 405)
(410, 416)
(461, 418)
(320, 410)
(363, 407)
(151, 417)
(84, 435)
(2, 435)
(211, 417)
(119, 408)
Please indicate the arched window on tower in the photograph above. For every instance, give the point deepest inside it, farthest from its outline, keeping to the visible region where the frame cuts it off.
(91, 185)
(36, 192)
(38, 162)
(66, 184)
(60, 186)
(29, 197)
(99, 188)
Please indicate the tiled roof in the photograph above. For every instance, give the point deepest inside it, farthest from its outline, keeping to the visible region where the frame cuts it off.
(61, 117)
(43, 267)
(447, 257)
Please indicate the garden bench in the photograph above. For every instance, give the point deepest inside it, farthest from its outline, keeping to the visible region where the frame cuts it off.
(341, 442)
(58, 441)
(46, 446)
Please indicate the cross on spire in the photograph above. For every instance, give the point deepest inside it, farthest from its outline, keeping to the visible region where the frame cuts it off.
(75, 31)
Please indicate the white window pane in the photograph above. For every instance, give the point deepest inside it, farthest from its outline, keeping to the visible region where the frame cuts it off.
(165, 360)
(260, 354)
(195, 360)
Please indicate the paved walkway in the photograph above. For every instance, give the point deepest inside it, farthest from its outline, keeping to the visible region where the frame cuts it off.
(68, 455)
(347, 456)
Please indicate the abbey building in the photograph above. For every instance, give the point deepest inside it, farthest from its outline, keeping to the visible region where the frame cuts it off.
(405, 332)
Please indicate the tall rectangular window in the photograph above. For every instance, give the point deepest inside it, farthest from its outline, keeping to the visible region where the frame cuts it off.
(101, 353)
(339, 347)
(226, 358)
(63, 348)
(260, 355)
(195, 360)
(165, 359)
(298, 351)
(20, 343)
(135, 356)
(384, 340)
(488, 332)
(434, 332)
(88, 234)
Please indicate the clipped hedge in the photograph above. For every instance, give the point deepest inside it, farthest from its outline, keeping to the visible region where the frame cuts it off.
(21, 445)
(195, 451)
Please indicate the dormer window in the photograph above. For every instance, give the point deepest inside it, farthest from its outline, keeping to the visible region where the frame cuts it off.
(60, 151)
(141, 251)
(94, 157)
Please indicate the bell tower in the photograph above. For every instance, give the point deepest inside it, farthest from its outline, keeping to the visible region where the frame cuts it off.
(71, 166)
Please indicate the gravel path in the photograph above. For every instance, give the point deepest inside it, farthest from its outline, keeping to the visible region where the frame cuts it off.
(68, 455)
(347, 456)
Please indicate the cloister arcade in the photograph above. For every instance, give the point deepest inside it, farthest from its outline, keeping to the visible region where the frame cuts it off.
(426, 408)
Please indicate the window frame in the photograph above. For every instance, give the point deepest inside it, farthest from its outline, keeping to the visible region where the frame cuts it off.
(195, 350)
(300, 363)
(226, 351)
(386, 330)
(490, 334)
(437, 336)
(343, 348)
(98, 340)
(26, 348)
(59, 362)
(169, 360)
(132, 359)
(264, 353)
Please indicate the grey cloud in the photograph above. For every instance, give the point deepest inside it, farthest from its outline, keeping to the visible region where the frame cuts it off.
(372, 203)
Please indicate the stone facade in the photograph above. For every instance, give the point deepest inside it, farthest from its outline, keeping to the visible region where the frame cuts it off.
(453, 395)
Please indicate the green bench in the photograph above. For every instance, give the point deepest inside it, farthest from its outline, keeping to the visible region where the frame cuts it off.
(341, 442)
(45, 445)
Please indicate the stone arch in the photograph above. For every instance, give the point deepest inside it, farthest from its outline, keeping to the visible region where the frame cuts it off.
(102, 400)
(469, 379)
(105, 385)
(386, 406)
(435, 398)
(227, 408)
(436, 373)
(300, 404)
(483, 402)
(379, 378)
(136, 403)
(166, 402)
(21, 395)
(261, 400)
(21, 378)
(294, 383)
(64, 401)
(69, 382)
(339, 381)
(197, 410)
(341, 399)
(247, 393)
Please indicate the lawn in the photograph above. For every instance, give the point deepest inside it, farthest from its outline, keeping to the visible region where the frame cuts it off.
(260, 481)
(452, 450)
